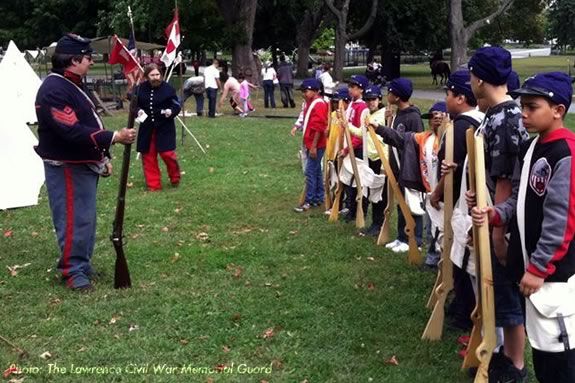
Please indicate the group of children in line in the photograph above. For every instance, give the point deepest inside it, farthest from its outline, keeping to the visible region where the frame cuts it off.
(530, 182)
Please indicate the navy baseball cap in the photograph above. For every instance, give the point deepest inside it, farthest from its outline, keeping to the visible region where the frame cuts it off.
(341, 94)
(460, 82)
(440, 106)
(71, 44)
(555, 86)
(359, 80)
(513, 81)
(401, 87)
(371, 93)
(310, 84)
(491, 64)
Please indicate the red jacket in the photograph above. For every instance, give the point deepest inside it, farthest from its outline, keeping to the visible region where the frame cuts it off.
(317, 123)
(357, 108)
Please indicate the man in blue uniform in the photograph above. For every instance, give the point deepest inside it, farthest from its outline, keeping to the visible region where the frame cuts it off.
(74, 146)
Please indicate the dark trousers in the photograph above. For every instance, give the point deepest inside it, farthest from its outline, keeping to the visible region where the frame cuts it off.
(401, 227)
(199, 104)
(212, 96)
(554, 367)
(72, 197)
(463, 301)
(287, 95)
(269, 98)
(351, 192)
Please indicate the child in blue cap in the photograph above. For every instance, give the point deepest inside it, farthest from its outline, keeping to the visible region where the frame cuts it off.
(541, 214)
(503, 132)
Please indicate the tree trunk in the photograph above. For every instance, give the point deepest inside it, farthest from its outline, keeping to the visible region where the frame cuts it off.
(460, 34)
(391, 61)
(306, 33)
(240, 15)
(339, 55)
(302, 60)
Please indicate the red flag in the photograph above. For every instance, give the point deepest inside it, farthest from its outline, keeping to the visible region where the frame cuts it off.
(131, 68)
(172, 32)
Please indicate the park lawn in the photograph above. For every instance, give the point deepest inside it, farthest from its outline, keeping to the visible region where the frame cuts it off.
(420, 74)
(224, 274)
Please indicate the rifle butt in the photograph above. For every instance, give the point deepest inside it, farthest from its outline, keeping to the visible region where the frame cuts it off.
(434, 328)
(121, 273)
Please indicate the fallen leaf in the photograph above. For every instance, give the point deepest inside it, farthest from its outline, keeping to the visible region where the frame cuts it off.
(294, 232)
(13, 369)
(370, 259)
(220, 367)
(226, 349)
(45, 355)
(264, 381)
(34, 234)
(267, 284)
(236, 317)
(165, 229)
(392, 361)
(7, 233)
(210, 169)
(269, 333)
(245, 172)
(210, 380)
(202, 236)
(184, 342)
(175, 258)
(16, 380)
(13, 269)
(370, 286)
(133, 327)
(82, 349)
(114, 319)
(141, 226)
(177, 210)
(130, 184)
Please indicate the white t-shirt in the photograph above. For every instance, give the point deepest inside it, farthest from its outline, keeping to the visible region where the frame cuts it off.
(269, 73)
(211, 73)
(431, 162)
(327, 81)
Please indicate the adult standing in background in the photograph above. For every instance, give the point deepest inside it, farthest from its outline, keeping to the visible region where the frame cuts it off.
(195, 86)
(285, 77)
(269, 76)
(158, 106)
(327, 81)
(75, 147)
(212, 84)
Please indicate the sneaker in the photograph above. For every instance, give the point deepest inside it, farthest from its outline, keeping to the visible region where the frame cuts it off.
(327, 212)
(345, 210)
(401, 248)
(392, 244)
(502, 370)
(300, 209)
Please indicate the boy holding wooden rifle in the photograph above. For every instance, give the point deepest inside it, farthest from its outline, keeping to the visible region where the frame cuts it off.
(541, 254)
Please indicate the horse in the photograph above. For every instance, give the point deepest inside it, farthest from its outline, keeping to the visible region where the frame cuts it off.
(440, 68)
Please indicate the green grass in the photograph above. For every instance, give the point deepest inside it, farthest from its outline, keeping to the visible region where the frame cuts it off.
(214, 264)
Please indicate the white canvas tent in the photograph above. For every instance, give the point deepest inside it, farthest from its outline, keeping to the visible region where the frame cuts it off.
(21, 170)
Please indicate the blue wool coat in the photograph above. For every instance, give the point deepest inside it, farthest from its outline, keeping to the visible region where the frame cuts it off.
(69, 129)
(153, 101)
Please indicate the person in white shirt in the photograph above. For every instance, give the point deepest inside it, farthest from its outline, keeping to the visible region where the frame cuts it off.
(212, 83)
(327, 81)
(269, 77)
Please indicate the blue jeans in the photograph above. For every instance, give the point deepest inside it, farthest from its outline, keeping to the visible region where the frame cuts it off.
(314, 192)
(401, 228)
(199, 101)
(269, 98)
(430, 237)
(72, 197)
(212, 96)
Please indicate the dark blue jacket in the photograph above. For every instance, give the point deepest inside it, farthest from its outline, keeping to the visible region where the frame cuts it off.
(153, 101)
(69, 128)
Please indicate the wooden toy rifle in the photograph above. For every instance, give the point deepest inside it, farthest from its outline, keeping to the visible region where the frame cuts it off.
(470, 359)
(485, 349)
(326, 174)
(434, 328)
(359, 218)
(414, 256)
(383, 236)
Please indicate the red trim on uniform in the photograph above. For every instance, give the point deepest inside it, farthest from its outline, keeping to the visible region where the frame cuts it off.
(66, 116)
(69, 224)
(559, 134)
(570, 227)
(496, 219)
(532, 269)
(93, 134)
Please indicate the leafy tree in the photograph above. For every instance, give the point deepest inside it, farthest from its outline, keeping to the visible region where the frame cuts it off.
(342, 34)
(562, 22)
